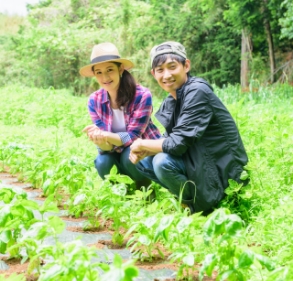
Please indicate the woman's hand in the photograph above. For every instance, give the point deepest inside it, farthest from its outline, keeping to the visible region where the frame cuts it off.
(90, 128)
(98, 137)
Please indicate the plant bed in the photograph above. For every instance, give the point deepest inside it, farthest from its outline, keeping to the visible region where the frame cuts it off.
(16, 267)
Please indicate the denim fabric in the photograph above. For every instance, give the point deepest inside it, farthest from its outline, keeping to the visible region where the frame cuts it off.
(169, 171)
(104, 163)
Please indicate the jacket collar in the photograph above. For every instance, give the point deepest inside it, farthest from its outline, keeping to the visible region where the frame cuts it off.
(180, 90)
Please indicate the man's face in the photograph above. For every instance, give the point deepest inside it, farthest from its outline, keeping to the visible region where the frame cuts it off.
(171, 75)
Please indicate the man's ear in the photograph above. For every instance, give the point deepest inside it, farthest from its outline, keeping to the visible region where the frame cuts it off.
(152, 72)
(187, 65)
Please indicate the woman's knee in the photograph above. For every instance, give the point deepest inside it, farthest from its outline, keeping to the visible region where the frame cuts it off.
(104, 164)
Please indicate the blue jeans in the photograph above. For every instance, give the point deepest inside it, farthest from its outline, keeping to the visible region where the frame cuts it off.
(170, 172)
(105, 162)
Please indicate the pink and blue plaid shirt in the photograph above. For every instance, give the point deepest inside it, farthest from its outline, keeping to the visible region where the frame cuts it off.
(137, 116)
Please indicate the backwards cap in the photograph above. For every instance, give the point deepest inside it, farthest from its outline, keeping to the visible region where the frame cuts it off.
(170, 47)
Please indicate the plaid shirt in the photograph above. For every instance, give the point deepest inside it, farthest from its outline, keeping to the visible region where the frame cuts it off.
(137, 116)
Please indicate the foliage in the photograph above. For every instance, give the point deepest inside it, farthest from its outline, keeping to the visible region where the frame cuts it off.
(119, 270)
(18, 218)
(39, 146)
(74, 261)
(223, 231)
(56, 39)
(69, 261)
(16, 214)
(12, 277)
(287, 21)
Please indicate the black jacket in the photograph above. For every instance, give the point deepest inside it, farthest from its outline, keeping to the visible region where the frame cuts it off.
(201, 130)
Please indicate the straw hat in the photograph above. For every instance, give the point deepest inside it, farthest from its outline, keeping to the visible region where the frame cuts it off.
(104, 52)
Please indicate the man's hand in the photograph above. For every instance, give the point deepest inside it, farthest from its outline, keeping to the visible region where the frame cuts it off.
(136, 146)
(136, 157)
(136, 152)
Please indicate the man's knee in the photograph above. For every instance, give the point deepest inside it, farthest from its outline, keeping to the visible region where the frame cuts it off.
(160, 159)
(161, 162)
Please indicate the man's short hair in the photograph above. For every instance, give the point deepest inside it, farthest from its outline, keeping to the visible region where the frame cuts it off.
(159, 53)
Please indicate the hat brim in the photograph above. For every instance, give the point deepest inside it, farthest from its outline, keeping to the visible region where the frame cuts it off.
(87, 71)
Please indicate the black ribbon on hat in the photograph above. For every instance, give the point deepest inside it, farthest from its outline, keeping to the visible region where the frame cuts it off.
(104, 58)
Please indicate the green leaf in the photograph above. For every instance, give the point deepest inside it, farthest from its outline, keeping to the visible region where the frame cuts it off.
(266, 262)
(49, 205)
(79, 199)
(189, 260)
(143, 239)
(244, 175)
(5, 236)
(279, 274)
(183, 224)
(150, 221)
(4, 215)
(246, 259)
(29, 204)
(114, 170)
(130, 273)
(51, 273)
(13, 277)
(3, 247)
(215, 225)
(234, 224)
(230, 275)
(57, 224)
(208, 265)
(165, 222)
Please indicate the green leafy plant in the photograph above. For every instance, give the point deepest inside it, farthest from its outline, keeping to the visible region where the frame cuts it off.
(223, 232)
(68, 261)
(146, 232)
(119, 270)
(13, 277)
(30, 240)
(16, 214)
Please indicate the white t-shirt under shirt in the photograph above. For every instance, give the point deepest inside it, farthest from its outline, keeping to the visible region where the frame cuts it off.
(118, 124)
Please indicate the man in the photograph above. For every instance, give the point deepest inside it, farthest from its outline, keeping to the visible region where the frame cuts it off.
(201, 148)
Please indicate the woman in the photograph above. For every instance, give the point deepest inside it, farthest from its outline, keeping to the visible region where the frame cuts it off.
(120, 110)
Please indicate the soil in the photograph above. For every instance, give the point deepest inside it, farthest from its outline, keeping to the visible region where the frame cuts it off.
(15, 266)
(156, 263)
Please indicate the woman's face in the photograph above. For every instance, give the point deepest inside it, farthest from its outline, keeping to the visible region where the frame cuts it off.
(108, 76)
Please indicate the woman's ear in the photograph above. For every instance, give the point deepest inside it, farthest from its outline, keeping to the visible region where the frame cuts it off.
(121, 69)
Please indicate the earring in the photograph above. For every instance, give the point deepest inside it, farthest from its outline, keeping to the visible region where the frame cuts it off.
(121, 75)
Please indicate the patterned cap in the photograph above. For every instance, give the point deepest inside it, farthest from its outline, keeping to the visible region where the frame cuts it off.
(170, 47)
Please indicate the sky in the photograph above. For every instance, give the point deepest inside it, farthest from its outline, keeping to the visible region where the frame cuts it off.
(15, 7)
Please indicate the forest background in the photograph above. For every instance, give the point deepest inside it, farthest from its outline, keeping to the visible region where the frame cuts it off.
(228, 41)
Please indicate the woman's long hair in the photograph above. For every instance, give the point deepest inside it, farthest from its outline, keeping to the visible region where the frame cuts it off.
(127, 88)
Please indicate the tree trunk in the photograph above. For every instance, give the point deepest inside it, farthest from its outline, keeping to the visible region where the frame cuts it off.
(267, 27)
(245, 55)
